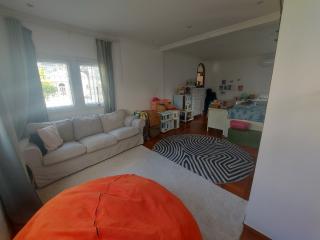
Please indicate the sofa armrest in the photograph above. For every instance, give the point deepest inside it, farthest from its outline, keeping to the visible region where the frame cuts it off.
(31, 154)
(128, 121)
(138, 123)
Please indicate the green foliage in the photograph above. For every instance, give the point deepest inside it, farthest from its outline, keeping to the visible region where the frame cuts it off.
(48, 89)
(42, 73)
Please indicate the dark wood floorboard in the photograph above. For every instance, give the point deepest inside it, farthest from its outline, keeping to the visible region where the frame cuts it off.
(249, 233)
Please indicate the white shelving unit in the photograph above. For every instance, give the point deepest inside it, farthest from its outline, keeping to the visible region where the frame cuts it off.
(169, 120)
(176, 118)
(184, 103)
(186, 116)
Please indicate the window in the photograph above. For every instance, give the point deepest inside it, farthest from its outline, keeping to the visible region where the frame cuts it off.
(91, 84)
(55, 84)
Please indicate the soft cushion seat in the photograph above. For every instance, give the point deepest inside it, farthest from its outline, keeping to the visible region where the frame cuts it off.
(50, 137)
(125, 207)
(98, 141)
(66, 151)
(124, 132)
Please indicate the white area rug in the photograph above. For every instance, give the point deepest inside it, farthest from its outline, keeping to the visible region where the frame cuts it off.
(220, 214)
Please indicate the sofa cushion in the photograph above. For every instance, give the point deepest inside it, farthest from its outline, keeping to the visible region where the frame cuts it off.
(66, 151)
(111, 121)
(124, 132)
(86, 126)
(50, 137)
(98, 141)
(128, 121)
(65, 128)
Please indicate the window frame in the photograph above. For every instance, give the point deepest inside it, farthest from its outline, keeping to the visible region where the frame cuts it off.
(73, 65)
(67, 63)
(89, 63)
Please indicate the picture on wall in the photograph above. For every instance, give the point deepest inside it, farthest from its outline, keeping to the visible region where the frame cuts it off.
(227, 85)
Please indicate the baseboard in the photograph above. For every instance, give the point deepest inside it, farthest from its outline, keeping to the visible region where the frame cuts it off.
(249, 233)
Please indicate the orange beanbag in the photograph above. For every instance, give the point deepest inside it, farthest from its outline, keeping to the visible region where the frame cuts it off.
(121, 207)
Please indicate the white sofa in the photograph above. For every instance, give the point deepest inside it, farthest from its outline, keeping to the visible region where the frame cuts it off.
(87, 141)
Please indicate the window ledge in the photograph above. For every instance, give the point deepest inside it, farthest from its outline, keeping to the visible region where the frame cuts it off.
(62, 108)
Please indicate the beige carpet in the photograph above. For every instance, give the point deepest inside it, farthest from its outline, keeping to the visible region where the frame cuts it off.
(220, 214)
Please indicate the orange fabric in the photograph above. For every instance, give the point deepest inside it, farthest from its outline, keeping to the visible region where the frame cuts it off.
(121, 207)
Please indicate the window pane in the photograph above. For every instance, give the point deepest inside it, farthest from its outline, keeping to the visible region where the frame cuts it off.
(91, 84)
(55, 84)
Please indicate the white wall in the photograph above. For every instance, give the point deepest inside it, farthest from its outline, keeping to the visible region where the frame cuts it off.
(178, 69)
(285, 197)
(54, 42)
(141, 75)
(255, 76)
(138, 68)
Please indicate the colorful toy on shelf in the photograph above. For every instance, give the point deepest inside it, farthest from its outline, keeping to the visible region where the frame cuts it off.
(161, 105)
(140, 115)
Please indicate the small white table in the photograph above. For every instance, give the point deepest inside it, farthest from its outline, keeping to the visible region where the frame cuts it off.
(218, 119)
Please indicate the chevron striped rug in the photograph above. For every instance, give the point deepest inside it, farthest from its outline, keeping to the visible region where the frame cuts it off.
(216, 160)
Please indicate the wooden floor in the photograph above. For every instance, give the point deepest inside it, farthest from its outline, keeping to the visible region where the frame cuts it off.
(199, 126)
(241, 188)
(249, 233)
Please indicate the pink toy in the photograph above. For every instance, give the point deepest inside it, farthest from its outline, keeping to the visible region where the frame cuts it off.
(236, 124)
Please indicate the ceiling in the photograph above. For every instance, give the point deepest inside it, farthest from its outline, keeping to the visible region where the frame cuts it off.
(255, 41)
(159, 22)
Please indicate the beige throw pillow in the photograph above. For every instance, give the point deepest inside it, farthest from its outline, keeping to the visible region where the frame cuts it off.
(112, 121)
(50, 137)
